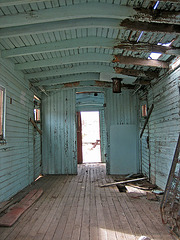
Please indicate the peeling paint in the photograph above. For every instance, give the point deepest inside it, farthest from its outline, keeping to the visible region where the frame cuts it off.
(103, 84)
(74, 84)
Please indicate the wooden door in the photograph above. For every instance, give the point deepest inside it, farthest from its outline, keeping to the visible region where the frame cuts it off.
(79, 139)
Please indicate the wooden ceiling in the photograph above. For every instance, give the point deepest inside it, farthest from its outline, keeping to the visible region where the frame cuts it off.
(54, 42)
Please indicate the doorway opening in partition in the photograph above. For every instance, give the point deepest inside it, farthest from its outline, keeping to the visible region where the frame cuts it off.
(91, 144)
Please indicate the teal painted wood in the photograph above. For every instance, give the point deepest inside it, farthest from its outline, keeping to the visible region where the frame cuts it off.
(164, 126)
(69, 79)
(88, 10)
(123, 149)
(16, 156)
(5, 3)
(75, 69)
(55, 26)
(59, 133)
(79, 58)
(103, 136)
(87, 42)
(89, 102)
(121, 109)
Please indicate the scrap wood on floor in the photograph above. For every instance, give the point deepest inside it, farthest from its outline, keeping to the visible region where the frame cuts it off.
(9, 218)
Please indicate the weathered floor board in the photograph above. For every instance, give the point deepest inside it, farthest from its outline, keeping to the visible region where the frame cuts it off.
(76, 208)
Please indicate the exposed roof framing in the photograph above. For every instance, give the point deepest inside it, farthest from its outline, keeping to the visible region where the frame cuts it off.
(6, 3)
(88, 42)
(146, 47)
(59, 42)
(140, 62)
(69, 79)
(151, 27)
(87, 10)
(91, 57)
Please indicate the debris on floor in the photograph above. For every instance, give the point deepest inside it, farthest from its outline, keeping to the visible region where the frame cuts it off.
(123, 182)
(144, 238)
(122, 188)
(8, 219)
(151, 196)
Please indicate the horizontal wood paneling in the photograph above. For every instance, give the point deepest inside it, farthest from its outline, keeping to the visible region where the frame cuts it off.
(164, 127)
(16, 158)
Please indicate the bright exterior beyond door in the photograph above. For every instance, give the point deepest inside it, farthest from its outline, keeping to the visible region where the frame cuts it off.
(91, 137)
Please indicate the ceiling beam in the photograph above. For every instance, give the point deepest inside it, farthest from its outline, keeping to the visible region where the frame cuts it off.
(88, 68)
(84, 23)
(91, 58)
(140, 62)
(7, 3)
(84, 10)
(146, 47)
(68, 79)
(137, 73)
(85, 85)
(76, 43)
(88, 42)
(77, 11)
(59, 26)
(150, 27)
(78, 58)
(158, 16)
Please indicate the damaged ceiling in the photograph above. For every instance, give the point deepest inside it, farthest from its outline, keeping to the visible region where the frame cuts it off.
(55, 42)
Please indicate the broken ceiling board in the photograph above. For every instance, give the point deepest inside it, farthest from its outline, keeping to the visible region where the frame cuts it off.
(140, 62)
(108, 77)
(136, 73)
(88, 42)
(80, 11)
(88, 68)
(147, 47)
(151, 27)
(68, 79)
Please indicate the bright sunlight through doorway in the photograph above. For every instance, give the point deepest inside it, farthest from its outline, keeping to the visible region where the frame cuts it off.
(91, 146)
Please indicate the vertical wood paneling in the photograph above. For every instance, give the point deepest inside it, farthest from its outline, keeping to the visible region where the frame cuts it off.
(121, 109)
(103, 136)
(164, 126)
(59, 133)
(16, 156)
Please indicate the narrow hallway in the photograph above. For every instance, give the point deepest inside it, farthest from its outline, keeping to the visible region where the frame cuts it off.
(76, 208)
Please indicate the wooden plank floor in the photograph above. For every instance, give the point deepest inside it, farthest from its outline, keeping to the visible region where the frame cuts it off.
(76, 208)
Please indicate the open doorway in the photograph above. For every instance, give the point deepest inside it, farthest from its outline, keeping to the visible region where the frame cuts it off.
(91, 147)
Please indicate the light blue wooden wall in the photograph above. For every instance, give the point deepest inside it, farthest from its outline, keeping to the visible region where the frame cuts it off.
(164, 127)
(59, 126)
(16, 156)
(121, 109)
(123, 149)
(89, 102)
(59, 133)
